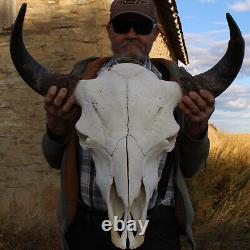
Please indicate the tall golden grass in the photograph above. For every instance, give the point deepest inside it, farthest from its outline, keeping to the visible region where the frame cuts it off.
(221, 192)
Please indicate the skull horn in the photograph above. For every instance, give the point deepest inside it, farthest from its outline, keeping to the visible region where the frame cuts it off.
(34, 74)
(218, 78)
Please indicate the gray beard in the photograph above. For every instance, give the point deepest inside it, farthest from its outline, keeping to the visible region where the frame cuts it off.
(135, 57)
(141, 56)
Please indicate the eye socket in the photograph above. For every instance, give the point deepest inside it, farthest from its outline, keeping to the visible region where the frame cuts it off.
(82, 136)
(171, 139)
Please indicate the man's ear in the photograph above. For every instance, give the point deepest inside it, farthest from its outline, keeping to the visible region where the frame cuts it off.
(157, 30)
(108, 28)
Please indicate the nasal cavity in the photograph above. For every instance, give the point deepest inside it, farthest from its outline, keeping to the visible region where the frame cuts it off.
(119, 225)
(134, 231)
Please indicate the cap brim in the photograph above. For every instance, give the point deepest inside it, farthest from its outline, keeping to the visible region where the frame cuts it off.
(133, 12)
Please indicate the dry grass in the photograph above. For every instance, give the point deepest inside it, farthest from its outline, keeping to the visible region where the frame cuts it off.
(34, 238)
(220, 193)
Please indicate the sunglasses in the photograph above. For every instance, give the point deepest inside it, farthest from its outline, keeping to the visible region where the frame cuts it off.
(144, 27)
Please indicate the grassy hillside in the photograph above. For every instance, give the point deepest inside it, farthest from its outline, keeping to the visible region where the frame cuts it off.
(221, 193)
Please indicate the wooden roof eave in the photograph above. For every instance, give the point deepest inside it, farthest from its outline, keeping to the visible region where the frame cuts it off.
(171, 27)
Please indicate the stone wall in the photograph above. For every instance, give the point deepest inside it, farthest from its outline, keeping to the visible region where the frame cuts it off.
(57, 33)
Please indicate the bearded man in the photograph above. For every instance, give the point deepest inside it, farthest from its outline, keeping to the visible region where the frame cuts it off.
(132, 30)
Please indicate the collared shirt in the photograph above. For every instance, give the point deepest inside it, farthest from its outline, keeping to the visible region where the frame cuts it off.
(90, 192)
(148, 65)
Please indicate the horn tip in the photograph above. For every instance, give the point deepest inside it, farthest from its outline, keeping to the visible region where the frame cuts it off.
(24, 5)
(234, 28)
(23, 8)
(20, 16)
(229, 18)
(21, 13)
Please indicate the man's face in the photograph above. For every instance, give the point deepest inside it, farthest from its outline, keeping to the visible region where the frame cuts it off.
(132, 44)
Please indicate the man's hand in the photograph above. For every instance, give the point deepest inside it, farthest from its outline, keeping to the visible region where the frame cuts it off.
(198, 107)
(62, 114)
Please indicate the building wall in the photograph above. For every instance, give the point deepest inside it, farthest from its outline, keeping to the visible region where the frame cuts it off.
(7, 14)
(57, 33)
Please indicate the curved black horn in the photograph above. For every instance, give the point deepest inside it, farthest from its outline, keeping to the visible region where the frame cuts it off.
(218, 78)
(34, 74)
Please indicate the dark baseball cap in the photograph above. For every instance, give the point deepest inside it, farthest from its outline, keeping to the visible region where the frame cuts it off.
(142, 7)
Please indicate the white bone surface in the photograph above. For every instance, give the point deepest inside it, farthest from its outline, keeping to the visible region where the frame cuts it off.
(127, 123)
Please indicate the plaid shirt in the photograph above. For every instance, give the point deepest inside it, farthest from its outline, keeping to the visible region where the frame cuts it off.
(90, 192)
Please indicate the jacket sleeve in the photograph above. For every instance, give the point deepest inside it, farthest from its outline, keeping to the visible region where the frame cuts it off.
(53, 151)
(192, 152)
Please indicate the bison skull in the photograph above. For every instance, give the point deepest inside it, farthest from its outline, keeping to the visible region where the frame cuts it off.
(126, 123)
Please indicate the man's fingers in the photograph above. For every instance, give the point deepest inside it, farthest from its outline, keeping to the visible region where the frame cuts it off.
(68, 105)
(184, 109)
(74, 111)
(60, 97)
(50, 95)
(188, 102)
(197, 99)
(77, 111)
(208, 97)
(192, 117)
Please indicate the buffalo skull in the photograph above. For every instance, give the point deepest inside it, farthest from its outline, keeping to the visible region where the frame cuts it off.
(127, 120)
